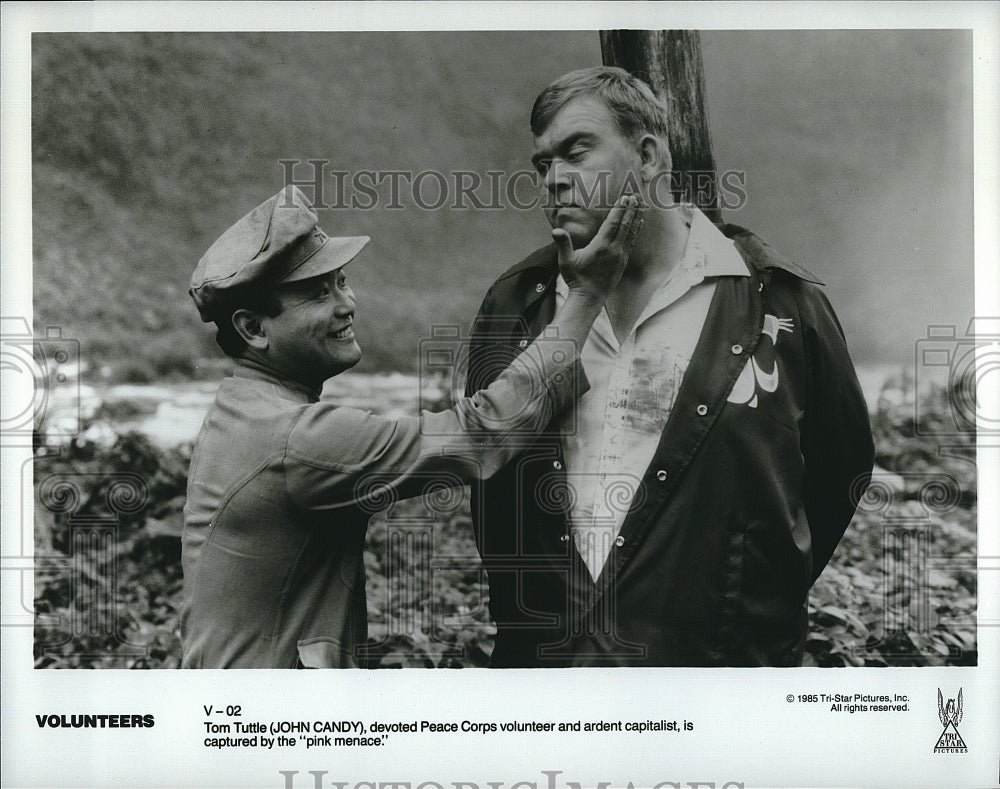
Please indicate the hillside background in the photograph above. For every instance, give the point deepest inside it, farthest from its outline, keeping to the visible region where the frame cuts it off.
(857, 150)
(857, 147)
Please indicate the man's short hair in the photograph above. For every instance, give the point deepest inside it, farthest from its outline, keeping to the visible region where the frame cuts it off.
(632, 103)
(262, 301)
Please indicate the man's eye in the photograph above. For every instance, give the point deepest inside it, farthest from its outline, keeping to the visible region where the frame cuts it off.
(576, 153)
(542, 168)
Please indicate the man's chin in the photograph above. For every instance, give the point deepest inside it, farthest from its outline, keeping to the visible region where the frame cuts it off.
(344, 362)
(581, 232)
(352, 360)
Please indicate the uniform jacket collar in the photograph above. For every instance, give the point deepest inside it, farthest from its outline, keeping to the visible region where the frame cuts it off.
(249, 369)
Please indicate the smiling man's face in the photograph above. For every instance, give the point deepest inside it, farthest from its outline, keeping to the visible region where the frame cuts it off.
(312, 339)
(584, 163)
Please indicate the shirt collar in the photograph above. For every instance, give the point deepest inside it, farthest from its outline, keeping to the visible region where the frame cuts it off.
(708, 250)
(248, 368)
(707, 253)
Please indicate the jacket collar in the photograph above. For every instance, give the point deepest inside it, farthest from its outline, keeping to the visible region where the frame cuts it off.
(762, 256)
(248, 368)
(544, 258)
(757, 252)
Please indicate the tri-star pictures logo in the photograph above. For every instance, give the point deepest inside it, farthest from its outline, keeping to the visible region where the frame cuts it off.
(761, 370)
(950, 715)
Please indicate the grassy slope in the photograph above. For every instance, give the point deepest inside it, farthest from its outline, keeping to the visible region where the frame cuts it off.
(856, 146)
(147, 146)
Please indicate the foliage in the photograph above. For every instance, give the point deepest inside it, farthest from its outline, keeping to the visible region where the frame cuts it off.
(147, 146)
(874, 605)
(427, 595)
(901, 589)
(107, 547)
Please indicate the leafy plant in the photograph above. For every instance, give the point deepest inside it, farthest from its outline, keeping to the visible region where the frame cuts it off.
(881, 601)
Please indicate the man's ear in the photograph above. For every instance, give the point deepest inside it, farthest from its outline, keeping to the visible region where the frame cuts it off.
(654, 156)
(249, 327)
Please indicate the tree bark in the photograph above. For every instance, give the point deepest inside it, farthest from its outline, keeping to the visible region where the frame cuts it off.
(669, 61)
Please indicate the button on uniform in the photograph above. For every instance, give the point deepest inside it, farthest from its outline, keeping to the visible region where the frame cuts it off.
(619, 541)
(737, 349)
(702, 409)
(661, 475)
(557, 465)
(539, 287)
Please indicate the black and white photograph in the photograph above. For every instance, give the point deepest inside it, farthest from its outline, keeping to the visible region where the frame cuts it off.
(640, 362)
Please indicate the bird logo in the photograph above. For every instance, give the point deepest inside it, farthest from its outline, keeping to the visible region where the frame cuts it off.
(761, 370)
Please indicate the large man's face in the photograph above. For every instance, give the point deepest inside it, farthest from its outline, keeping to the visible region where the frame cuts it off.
(313, 337)
(584, 163)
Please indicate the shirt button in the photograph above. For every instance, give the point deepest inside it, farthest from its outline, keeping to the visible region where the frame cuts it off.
(522, 344)
(539, 287)
(702, 409)
(661, 475)
(737, 349)
(557, 465)
(619, 541)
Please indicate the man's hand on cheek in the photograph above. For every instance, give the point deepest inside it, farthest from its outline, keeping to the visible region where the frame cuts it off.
(596, 269)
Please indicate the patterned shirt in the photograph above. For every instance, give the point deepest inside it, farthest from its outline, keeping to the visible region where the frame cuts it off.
(611, 439)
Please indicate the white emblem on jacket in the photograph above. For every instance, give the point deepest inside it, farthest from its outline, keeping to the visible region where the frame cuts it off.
(753, 375)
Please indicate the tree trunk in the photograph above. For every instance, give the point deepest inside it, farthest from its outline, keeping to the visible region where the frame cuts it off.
(669, 61)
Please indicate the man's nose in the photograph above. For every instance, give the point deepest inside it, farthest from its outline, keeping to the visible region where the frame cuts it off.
(557, 178)
(345, 303)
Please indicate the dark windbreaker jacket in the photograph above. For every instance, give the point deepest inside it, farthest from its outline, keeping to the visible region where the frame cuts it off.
(756, 477)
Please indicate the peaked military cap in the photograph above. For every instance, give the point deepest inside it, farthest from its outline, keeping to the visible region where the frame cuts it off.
(278, 241)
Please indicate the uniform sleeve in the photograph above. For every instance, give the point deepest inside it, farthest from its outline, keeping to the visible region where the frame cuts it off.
(343, 456)
(837, 440)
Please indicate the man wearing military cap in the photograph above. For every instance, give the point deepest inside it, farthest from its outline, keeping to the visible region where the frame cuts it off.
(278, 494)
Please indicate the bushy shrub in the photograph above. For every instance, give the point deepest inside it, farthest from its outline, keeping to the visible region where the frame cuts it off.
(108, 575)
(882, 601)
(878, 603)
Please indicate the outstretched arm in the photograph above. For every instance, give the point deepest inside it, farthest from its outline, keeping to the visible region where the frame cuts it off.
(334, 454)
